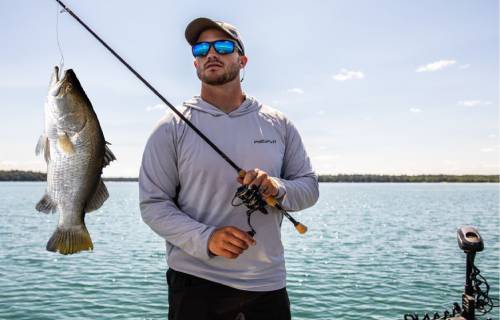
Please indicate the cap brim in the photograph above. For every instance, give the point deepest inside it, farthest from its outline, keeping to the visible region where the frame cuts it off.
(197, 26)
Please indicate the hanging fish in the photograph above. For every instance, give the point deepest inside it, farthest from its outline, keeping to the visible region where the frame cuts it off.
(75, 151)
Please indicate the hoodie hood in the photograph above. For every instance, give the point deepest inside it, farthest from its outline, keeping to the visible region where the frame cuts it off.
(250, 104)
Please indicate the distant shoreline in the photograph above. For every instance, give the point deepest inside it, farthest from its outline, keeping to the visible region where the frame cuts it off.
(18, 175)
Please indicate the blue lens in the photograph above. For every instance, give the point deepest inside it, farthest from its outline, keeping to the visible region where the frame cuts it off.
(224, 46)
(201, 49)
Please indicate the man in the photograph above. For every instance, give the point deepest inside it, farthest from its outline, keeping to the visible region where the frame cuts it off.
(216, 269)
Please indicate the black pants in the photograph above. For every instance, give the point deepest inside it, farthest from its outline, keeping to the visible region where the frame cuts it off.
(193, 298)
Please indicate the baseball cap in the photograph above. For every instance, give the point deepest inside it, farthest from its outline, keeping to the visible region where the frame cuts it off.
(197, 26)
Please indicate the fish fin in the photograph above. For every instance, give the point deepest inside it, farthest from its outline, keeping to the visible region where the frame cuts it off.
(70, 241)
(46, 204)
(43, 144)
(65, 144)
(40, 145)
(108, 156)
(100, 195)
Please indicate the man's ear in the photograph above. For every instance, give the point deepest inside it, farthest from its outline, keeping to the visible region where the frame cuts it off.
(243, 61)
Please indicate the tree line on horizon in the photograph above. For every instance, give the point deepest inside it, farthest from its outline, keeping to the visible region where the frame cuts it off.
(408, 178)
(18, 175)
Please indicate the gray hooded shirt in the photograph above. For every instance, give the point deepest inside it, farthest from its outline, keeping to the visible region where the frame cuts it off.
(186, 188)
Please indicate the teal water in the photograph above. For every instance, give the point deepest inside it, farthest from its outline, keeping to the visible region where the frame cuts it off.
(373, 251)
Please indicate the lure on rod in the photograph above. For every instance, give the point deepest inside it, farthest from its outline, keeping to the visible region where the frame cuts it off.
(269, 201)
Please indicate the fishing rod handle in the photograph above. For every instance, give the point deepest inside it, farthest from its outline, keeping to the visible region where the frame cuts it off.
(301, 228)
(272, 202)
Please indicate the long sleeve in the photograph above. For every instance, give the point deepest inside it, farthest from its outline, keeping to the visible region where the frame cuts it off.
(298, 183)
(158, 180)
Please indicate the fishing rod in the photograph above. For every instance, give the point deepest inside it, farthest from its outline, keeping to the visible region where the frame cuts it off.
(249, 196)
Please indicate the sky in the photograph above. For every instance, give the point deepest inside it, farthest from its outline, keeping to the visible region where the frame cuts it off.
(380, 87)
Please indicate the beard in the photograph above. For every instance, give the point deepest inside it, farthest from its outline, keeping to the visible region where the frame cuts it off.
(229, 75)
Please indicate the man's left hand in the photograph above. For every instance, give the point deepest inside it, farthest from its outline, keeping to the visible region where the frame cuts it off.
(268, 186)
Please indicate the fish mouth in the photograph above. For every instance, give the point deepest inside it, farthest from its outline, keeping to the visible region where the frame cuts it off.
(59, 82)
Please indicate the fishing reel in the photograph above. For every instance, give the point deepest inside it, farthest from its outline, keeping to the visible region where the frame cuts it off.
(252, 199)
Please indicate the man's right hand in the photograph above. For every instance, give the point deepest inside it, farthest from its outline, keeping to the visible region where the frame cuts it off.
(229, 242)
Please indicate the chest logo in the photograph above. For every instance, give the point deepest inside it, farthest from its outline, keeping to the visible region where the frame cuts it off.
(264, 141)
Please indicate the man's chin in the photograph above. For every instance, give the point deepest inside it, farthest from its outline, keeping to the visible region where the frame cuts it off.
(217, 77)
(215, 80)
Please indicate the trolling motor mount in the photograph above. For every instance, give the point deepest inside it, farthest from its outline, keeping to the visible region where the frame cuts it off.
(474, 297)
(470, 241)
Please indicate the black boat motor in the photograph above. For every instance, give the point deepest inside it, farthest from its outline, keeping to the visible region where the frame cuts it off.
(474, 297)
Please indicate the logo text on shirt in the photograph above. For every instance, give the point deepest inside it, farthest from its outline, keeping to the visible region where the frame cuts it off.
(264, 141)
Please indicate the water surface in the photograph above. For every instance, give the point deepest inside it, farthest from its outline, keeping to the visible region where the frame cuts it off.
(373, 251)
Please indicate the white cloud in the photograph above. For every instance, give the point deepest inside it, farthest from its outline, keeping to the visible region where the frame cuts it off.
(348, 75)
(492, 135)
(435, 66)
(156, 107)
(473, 103)
(487, 150)
(296, 90)
(415, 110)
(464, 66)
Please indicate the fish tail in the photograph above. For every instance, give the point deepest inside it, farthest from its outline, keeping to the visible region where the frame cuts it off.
(70, 241)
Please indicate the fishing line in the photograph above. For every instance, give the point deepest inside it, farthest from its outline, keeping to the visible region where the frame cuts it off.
(61, 61)
(269, 201)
